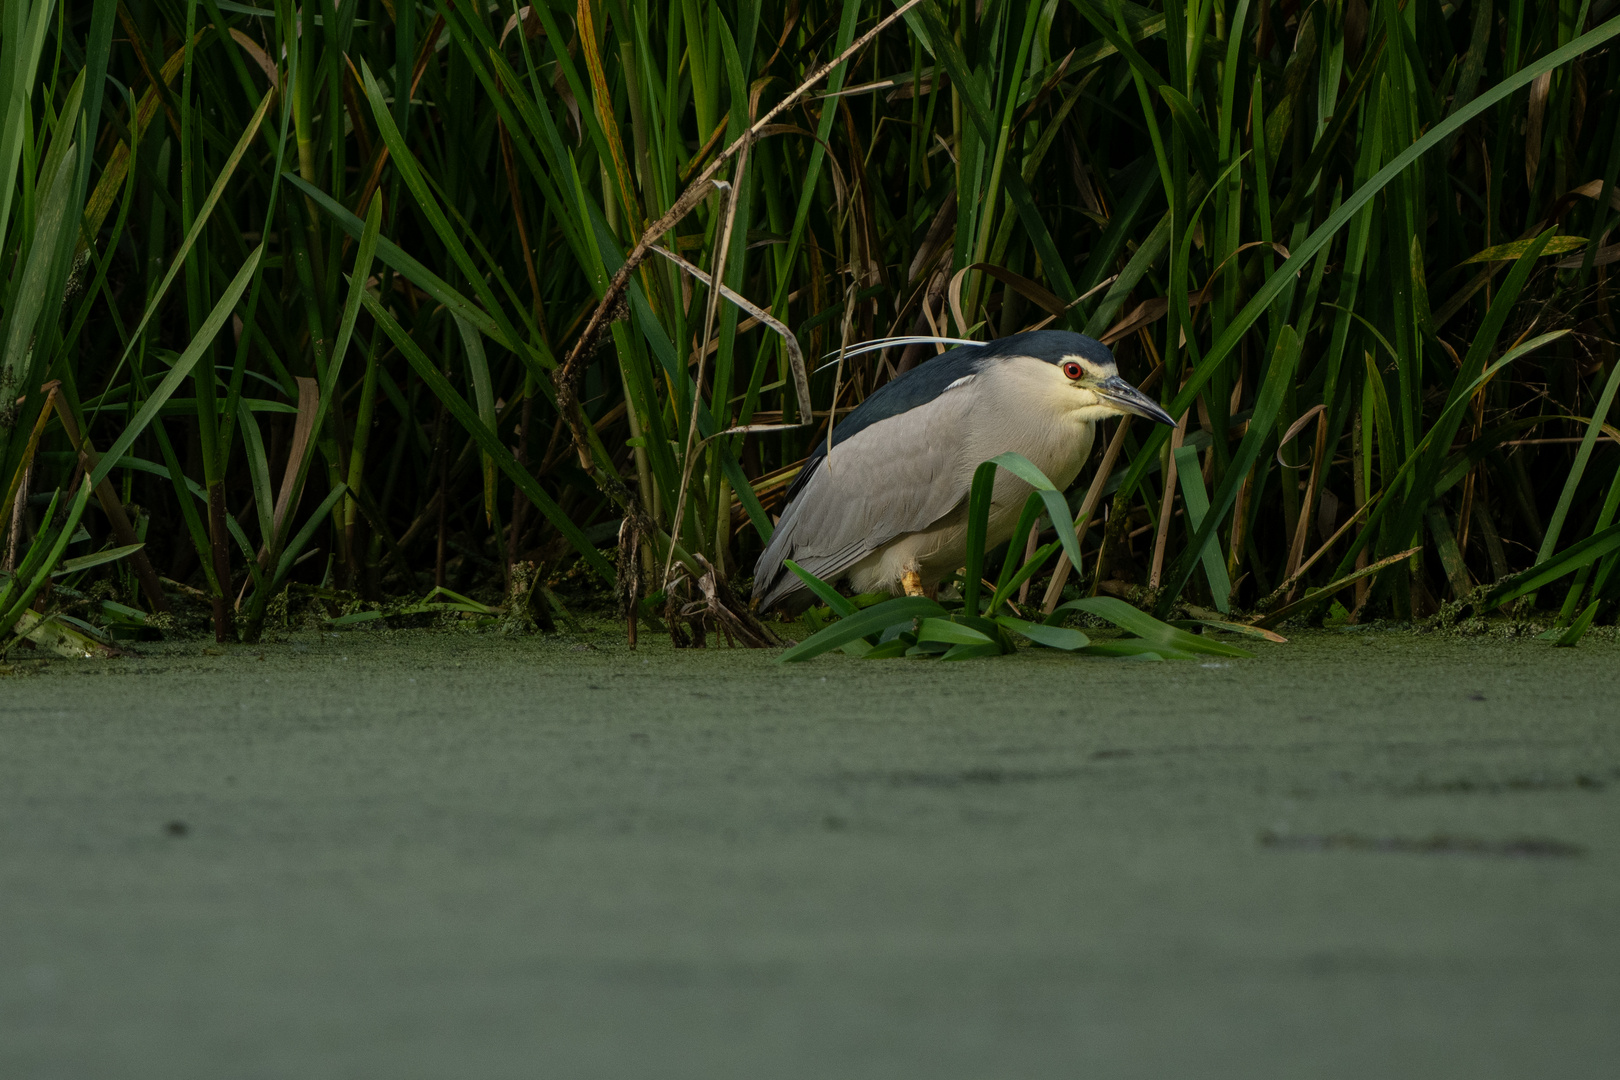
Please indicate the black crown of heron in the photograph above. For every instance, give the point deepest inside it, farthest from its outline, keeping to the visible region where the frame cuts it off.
(885, 508)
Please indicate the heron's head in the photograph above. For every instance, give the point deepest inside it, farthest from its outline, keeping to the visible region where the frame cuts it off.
(1085, 378)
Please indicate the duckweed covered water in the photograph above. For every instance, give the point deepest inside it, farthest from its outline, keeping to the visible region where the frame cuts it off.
(427, 855)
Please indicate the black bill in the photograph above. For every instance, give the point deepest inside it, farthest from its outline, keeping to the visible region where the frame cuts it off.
(1127, 397)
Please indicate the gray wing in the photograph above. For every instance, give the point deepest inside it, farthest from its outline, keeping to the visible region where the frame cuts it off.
(897, 476)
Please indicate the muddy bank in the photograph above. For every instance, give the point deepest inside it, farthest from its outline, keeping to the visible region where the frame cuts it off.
(428, 855)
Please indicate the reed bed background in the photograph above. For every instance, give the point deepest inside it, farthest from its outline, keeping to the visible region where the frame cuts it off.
(319, 302)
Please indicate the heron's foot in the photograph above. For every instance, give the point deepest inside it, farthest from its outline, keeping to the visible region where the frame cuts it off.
(911, 581)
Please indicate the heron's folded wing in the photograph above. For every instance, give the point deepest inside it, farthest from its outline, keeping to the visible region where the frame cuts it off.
(894, 477)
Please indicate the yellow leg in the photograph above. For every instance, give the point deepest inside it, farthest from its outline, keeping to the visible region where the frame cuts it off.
(911, 581)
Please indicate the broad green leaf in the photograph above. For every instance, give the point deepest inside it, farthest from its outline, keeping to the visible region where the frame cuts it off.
(938, 629)
(967, 651)
(1053, 637)
(870, 621)
(889, 650)
(1149, 629)
(1057, 508)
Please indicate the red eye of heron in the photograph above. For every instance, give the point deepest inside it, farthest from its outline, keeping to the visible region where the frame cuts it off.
(1073, 370)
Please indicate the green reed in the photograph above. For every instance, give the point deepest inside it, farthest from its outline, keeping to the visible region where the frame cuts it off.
(306, 281)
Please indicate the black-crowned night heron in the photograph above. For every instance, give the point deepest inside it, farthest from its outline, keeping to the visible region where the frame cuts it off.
(887, 507)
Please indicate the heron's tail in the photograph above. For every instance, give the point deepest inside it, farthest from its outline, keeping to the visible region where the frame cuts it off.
(773, 582)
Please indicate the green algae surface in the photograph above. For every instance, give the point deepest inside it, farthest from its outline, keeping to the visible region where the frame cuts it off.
(415, 855)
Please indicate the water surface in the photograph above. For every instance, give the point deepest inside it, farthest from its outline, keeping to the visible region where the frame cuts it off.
(436, 855)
